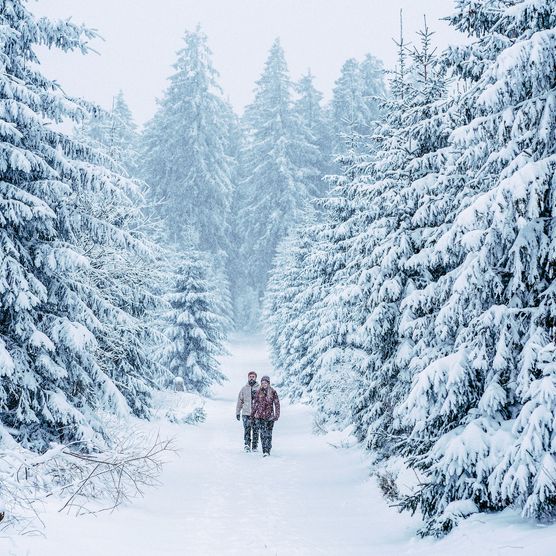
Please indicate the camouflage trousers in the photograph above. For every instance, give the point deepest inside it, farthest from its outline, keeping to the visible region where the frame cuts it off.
(265, 427)
(250, 432)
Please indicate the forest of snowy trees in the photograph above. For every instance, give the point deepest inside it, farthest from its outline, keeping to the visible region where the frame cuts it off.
(425, 294)
(396, 244)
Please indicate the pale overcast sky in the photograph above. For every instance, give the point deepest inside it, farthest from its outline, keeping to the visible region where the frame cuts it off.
(141, 38)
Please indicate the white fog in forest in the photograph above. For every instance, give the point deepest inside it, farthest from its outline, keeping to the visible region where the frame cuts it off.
(140, 41)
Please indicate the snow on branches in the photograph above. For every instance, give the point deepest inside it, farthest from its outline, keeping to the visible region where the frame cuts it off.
(439, 277)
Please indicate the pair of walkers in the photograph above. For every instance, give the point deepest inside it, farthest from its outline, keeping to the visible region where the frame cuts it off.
(260, 408)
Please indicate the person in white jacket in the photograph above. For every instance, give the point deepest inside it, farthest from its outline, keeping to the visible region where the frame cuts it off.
(245, 405)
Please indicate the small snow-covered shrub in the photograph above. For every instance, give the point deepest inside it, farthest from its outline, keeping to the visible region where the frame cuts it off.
(454, 513)
(387, 482)
(175, 415)
(182, 408)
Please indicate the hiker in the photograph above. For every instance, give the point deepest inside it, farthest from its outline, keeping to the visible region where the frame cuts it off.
(245, 404)
(266, 411)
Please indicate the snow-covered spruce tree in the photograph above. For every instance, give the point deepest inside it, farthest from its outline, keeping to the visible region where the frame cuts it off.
(126, 280)
(330, 374)
(482, 402)
(303, 348)
(356, 100)
(316, 125)
(115, 132)
(279, 170)
(365, 300)
(53, 310)
(131, 283)
(289, 305)
(337, 357)
(304, 326)
(195, 328)
(184, 151)
(410, 145)
(279, 310)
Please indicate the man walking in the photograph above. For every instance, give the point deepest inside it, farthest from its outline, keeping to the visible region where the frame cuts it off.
(245, 403)
(266, 411)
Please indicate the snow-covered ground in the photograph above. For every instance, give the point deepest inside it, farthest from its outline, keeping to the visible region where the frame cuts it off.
(308, 498)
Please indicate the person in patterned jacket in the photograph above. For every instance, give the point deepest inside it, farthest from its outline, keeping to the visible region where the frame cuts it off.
(266, 411)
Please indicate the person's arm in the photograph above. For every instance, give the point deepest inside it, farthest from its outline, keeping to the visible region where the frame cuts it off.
(276, 406)
(240, 402)
(254, 403)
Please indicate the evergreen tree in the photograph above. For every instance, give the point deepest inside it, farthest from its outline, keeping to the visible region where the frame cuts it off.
(115, 132)
(288, 315)
(481, 398)
(195, 326)
(185, 151)
(336, 356)
(54, 309)
(314, 121)
(411, 143)
(279, 171)
(356, 100)
(303, 326)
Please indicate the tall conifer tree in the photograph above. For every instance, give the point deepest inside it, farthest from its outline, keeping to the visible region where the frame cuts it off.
(356, 100)
(195, 325)
(115, 132)
(481, 400)
(280, 170)
(314, 121)
(185, 151)
(56, 312)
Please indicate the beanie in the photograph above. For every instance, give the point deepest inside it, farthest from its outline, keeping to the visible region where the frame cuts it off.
(265, 378)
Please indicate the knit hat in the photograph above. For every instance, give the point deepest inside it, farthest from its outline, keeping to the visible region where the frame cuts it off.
(265, 379)
(252, 373)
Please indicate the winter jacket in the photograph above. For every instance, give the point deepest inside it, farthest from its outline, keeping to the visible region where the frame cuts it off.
(245, 398)
(266, 404)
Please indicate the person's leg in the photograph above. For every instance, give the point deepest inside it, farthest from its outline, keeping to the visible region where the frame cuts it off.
(265, 435)
(260, 431)
(269, 441)
(247, 432)
(254, 434)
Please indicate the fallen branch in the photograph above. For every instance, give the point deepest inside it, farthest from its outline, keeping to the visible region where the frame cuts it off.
(83, 481)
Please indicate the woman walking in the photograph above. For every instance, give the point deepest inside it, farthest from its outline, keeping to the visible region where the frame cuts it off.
(266, 411)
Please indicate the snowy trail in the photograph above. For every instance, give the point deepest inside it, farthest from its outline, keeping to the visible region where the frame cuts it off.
(307, 499)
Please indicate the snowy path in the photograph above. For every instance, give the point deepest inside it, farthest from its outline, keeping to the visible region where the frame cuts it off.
(307, 499)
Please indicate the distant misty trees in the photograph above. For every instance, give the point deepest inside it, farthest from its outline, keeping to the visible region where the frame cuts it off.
(115, 132)
(355, 105)
(234, 187)
(280, 170)
(289, 142)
